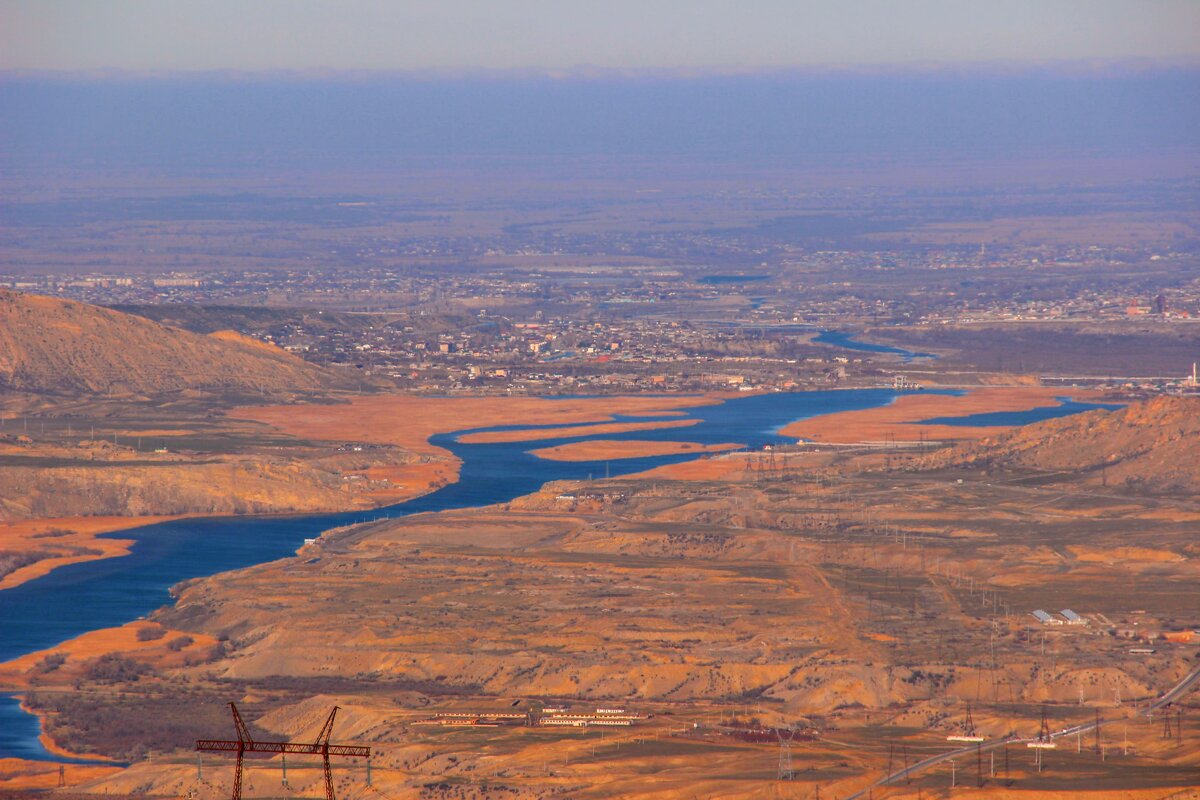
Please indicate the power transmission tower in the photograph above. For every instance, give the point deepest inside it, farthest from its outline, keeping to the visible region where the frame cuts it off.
(1044, 730)
(785, 754)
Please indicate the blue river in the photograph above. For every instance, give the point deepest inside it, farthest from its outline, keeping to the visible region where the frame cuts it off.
(848, 342)
(99, 594)
(1065, 408)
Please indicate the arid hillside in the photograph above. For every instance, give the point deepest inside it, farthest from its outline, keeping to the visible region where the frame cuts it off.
(710, 609)
(144, 488)
(54, 346)
(1152, 446)
(872, 609)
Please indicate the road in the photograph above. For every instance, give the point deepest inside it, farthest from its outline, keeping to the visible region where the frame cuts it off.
(1171, 695)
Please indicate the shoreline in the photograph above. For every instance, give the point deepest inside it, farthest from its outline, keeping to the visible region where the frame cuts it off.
(874, 425)
(27, 774)
(80, 532)
(539, 434)
(413, 421)
(79, 650)
(973, 402)
(54, 748)
(410, 481)
(357, 421)
(16, 674)
(898, 421)
(409, 421)
(615, 450)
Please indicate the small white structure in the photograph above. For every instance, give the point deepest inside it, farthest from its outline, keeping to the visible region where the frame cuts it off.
(1072, 618)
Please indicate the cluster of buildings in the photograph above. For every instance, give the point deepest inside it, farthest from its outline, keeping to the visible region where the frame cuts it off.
(547, 716)
(611, 329)
(1089, 305)
(1064, 617)
(487, 352)
(1136, 630)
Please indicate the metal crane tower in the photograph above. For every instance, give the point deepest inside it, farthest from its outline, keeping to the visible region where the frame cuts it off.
(246, 744)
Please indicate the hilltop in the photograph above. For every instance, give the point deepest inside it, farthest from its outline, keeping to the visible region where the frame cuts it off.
(54, 346)
(1148, 446)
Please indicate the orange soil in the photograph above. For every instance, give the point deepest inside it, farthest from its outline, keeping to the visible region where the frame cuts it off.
(248, 341)
(408, 421)
(409, 480)
(17, 673)
(1001, 792)
(17, 774)
(403, 420)
(610, 449)
(894, 421)
(20, 537)
(156, 432)
(725, 468)
(1124, 555)
(662, 413)
(562, 433)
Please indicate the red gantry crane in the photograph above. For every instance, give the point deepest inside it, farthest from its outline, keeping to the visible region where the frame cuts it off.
(246, 744)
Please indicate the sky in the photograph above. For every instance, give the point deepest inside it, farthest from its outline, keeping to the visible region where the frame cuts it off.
(244, 84)
(456, 35)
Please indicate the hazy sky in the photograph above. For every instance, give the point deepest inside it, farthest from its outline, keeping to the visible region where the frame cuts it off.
(558, 34)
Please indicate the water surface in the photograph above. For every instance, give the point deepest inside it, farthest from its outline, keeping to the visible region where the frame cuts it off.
(847, 342)
(1066, 407)
(99, 594)
(77, 598)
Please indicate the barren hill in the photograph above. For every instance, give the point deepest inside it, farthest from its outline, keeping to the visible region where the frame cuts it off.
(54, 346)
(1151, 446)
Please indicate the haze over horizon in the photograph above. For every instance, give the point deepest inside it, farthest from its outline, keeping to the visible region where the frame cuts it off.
(68, 35)
(354, 85)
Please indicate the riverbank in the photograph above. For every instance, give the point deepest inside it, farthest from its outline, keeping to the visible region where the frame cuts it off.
(37, 547)
(399, 561)
(59, 668)
(30, 549)
(534, 434)
(900, 420)
(682, 601)
(605, 449)
(155, 646)
(56, 542)
(409, 421)
(19, 773)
